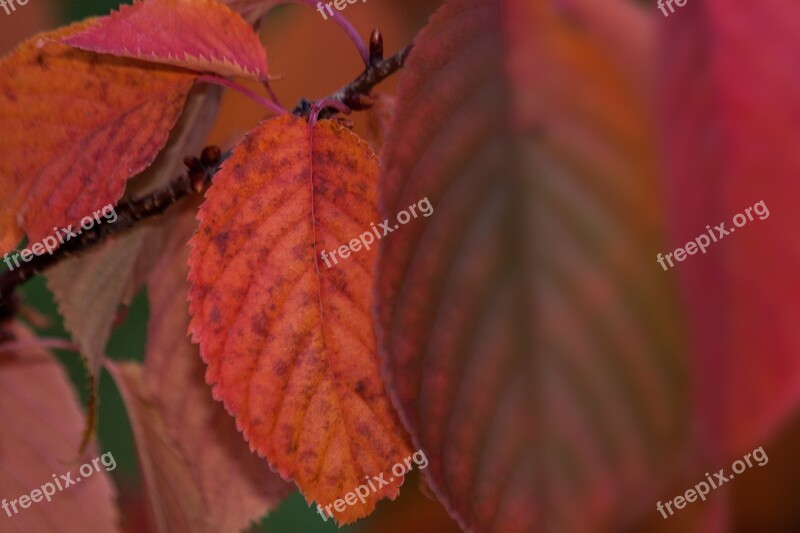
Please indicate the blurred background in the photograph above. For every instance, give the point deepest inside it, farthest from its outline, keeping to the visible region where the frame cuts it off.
(311, 58)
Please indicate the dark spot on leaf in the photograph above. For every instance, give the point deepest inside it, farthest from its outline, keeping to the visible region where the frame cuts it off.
(221, 241)
(299, 252)
(215, 316)
(280, 368)
(259, 325)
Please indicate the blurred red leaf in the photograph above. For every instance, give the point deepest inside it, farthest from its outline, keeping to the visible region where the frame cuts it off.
(289, 342)
(42, 421)
(730, 112)
(380, 117)
(175, 501)
(76, 126)
(237, 487)
(202, 35)
(532, 347)
(198, 475)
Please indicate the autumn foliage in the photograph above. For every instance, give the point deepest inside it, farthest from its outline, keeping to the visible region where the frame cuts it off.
(523, 336)
(289, 342)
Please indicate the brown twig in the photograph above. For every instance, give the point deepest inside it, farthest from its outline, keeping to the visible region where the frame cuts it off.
(356, 94)
(129, 212)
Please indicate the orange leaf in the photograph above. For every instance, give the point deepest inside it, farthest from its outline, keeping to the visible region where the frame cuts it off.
(76, 126)
(90, 288)
(289, 342)
(202, 35)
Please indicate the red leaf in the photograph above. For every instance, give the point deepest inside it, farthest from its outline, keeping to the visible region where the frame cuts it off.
(730, 113)
(42, 421)
(531, 346)
(202, 35)
(288, 341)
(76, 127)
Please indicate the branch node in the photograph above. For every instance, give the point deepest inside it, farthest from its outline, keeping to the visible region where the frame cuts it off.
(356, 94)
(375, 47)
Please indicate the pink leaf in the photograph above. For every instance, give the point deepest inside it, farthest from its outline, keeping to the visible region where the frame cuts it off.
(202, 35)
(218, 459)
(731, 132)
(42, 422)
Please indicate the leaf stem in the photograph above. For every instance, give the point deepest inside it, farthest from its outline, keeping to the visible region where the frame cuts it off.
(272, 95)
(319, 105)
(35, 344)
(257, 98)
(351, 32)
